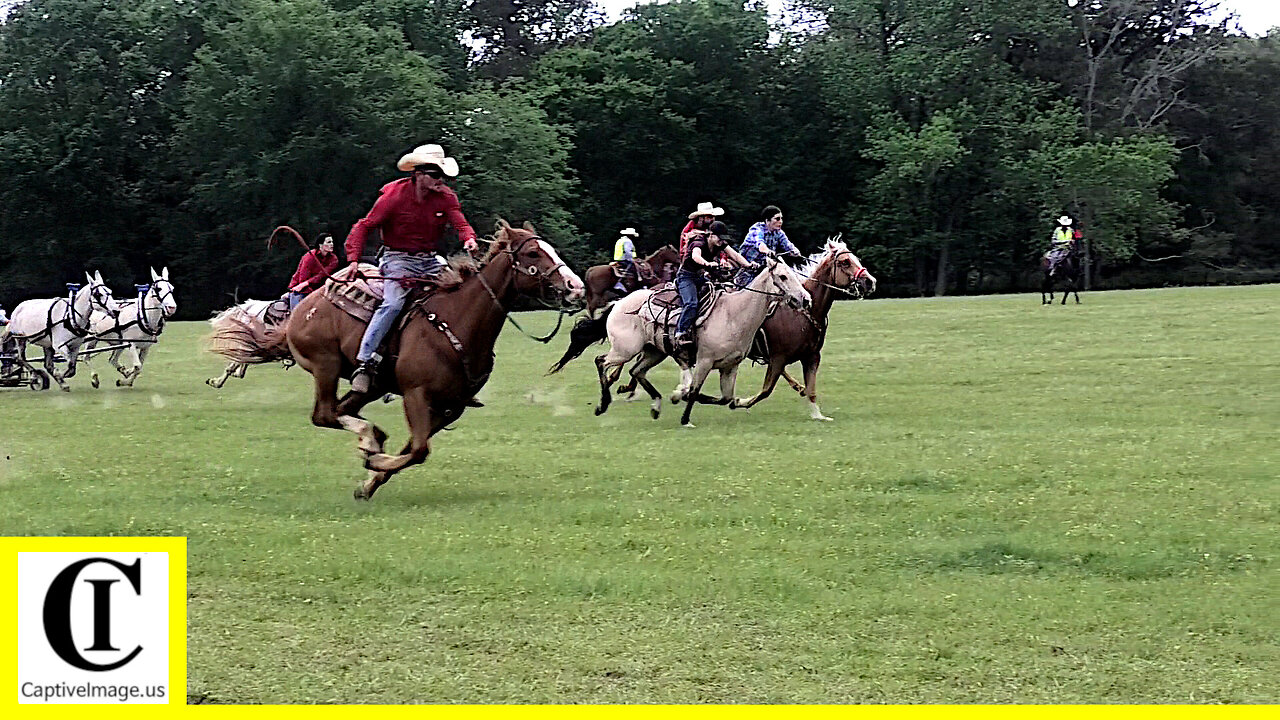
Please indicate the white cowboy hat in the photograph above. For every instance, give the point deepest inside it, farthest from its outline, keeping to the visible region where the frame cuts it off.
(630, 231)
(1064, 220)
(429, 155)
(706, 209)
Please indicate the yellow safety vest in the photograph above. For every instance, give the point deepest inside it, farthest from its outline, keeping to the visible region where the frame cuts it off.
(1062, 237)
(619, 248)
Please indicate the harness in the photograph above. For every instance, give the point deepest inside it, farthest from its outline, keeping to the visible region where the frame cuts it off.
(70, 318)
(141, 320)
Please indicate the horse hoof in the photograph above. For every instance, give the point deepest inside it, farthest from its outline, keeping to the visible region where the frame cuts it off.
(64, 388)
(360, 494)
(688, 425)
(599, 411)
(94, 381)
(653, 412)
(823, 418)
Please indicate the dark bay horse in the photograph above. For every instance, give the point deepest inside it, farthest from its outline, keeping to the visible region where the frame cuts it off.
(600, 279)
(1067, 271)
(444, 354)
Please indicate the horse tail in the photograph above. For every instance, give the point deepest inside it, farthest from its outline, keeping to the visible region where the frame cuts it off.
(240, 337)
(585, 333)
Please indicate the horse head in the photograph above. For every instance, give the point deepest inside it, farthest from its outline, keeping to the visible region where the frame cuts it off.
(786, 282)
(537, 265)
(163, 291)
(99, 295)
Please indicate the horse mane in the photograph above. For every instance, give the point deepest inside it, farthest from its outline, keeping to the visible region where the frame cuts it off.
(833, 248)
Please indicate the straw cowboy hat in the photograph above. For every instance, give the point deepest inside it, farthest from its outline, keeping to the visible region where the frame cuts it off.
(429, 155)
(706, 209)
(1064, 220)
(631, 232)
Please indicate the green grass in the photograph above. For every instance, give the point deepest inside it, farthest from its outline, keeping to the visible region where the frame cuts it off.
(1015, 503)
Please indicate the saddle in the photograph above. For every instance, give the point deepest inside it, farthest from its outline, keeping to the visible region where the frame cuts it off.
(359, 297)
(663, 306)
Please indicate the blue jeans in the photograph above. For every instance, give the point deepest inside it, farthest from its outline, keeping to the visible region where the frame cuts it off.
(294, 299)
(688, 284)
(394, 265)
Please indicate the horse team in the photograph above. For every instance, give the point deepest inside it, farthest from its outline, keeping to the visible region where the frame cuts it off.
(88, 320)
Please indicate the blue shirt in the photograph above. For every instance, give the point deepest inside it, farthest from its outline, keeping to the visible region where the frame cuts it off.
(757, 236)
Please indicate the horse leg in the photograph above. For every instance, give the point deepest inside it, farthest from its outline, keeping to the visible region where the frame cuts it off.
(239, 369)
(792, 382)
(728, 382)
(776, 369)
(628, 388)
(696, 377)
(811, 385)
(650, 358)
(417, 410)
(51, 367)
(93, 374)
(219, 382)
(609, 373)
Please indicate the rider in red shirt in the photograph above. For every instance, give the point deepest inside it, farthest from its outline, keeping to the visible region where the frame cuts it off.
(313, 269)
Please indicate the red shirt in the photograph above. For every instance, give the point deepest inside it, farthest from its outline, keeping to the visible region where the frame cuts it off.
(406, 223)
(313, 270)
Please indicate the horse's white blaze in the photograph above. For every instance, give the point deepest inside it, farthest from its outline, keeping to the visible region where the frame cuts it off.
(577, 289)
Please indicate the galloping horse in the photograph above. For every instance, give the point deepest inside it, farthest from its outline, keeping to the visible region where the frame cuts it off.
(1067, 270)
(266, 312)
(444, 354)
(723, 340)
(600, 279)
(59, 325)
(138, 325)
(797, 335)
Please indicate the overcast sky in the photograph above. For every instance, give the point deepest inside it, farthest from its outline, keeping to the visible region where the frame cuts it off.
(1256, 17)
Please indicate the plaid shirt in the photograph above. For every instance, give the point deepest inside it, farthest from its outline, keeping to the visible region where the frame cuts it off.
(775, 240)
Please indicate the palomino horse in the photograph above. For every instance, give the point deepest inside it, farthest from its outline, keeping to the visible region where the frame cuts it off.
(59, 325)
(600, 279)
(138, 327)
(444, 354)
(1067, 270)
(265, 312)
(797, 335)
(723, 340)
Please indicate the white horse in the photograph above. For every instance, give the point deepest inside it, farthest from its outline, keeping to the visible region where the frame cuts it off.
(259, 312)
(59, 325)
(723, 340)
(136, 329)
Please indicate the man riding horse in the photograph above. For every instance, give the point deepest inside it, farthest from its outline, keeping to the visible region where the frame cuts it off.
(411, 213)
(1062, 243)
(624, 260)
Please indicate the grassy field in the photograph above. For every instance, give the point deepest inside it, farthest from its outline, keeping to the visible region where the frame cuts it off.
(1015, 503)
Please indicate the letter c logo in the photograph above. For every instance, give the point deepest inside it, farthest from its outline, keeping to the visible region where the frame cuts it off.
(57, 613)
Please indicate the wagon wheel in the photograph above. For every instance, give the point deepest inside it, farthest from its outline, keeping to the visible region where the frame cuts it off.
(38, 381)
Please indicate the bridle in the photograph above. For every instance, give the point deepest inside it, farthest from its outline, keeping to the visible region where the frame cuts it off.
(542, 277)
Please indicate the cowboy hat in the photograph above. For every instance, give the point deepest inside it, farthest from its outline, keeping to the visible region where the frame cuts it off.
(706, 208)
(429, 155)
(629, 231)
(1064, 220)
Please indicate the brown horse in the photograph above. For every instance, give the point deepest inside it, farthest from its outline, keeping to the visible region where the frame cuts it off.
(797, 336)
(444, 354)
(600, 279)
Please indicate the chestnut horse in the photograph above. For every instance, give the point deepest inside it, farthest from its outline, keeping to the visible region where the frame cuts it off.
(797, 335)
(444, 354)
(600, 279)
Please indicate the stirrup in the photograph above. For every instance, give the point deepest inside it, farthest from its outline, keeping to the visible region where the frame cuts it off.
(362, 380)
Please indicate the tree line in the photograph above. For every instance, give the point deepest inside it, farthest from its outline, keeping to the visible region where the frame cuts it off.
(940, 137)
